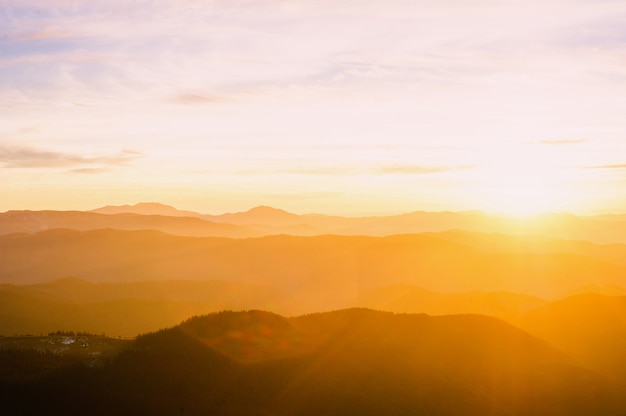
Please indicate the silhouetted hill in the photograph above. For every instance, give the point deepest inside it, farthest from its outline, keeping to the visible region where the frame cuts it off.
(252, 336)
(355, 362)
(590, 327)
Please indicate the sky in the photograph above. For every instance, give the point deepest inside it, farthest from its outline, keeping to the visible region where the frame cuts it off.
(344, 107)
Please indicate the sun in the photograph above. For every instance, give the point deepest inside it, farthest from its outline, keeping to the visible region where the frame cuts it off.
(524, 184)
(523, 194)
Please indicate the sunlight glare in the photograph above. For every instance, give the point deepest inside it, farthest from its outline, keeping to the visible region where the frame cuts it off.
(524, 181)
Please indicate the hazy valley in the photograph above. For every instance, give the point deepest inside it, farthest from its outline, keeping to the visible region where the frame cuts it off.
(440, 319)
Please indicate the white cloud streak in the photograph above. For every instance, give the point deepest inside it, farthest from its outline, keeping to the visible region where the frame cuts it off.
(28, 157)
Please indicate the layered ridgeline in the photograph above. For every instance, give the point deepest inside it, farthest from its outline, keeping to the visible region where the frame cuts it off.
(128, 309)
(129, 282)
(123, 271)
(353, 361)
(265, 220)
(440, 262)
(320, 272)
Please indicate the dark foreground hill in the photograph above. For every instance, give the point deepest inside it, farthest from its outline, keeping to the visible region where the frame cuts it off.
(350, 362)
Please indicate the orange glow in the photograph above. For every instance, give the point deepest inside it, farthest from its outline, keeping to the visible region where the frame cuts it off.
(524, 180)
(313, 207)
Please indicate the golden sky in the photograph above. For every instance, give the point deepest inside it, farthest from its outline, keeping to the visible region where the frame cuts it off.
(347, 107)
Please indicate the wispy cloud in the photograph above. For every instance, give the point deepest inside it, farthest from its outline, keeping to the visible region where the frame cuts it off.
(89, 171)
(616, 166)
(30, 157)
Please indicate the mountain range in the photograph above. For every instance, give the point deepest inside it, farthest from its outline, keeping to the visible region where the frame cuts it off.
(264, 220)
(319, 272)
(431, 313)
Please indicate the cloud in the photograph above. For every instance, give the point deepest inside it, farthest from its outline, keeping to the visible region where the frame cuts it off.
(617, 166)
(419, 169)
(89, 171)
(259, 43)
(29, 157)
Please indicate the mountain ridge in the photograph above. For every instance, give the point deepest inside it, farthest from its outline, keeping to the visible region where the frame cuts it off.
(265, 220)
(332, 268)
(354, 361)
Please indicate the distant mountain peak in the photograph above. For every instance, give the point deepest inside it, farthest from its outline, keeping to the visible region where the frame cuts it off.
(146, 208)
(138, 205)
(152, 205)
(267, 210)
